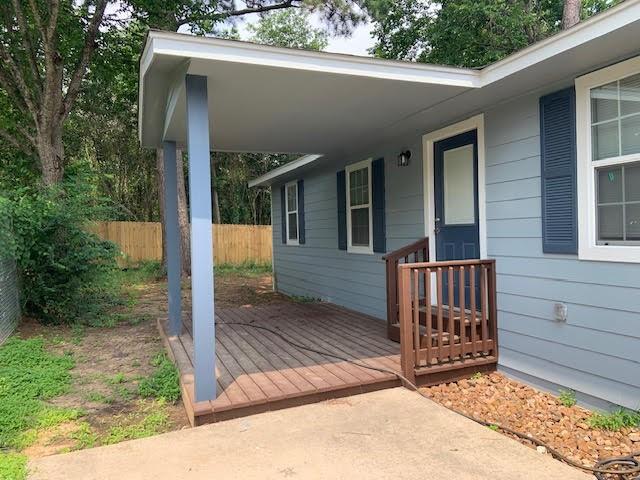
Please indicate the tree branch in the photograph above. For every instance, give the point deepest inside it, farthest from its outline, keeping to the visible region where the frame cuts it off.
(15, 143)
(240, 12)
(85, 57)
(19, 85)
(26, 44)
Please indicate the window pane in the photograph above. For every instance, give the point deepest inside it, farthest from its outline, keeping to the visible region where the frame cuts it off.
(604, 102)
(359, 187)
(609, 185)
(630, 134)
(292, 193)
(633, 221)
(360, 227)
(293, 226)
(610, 222)
(630, 95)
(605, 140)
(459, 192)
(632, 183)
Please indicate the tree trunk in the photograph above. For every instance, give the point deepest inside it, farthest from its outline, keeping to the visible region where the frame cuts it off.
(51, 153)
(214, 192)
(183, 211)
(571, 13)
(183, 217)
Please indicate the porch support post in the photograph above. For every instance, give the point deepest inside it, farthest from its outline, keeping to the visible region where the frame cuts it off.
(172, 231)
(201, 238)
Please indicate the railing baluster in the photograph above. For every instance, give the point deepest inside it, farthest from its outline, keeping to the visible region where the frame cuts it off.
(429, 319)
(472, 307)
(452, 302)
(439, 319)
(461, 302)
(483, 308)
(416, 316)
(493, 307)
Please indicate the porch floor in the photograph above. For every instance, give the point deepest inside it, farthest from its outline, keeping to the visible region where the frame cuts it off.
(257, 370)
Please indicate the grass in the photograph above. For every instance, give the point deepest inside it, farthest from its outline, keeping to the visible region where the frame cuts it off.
(155, 421)
(476, 376)
(163, 383)
(567, 398)
(13, 466)
(247, 269)
(28, 376)
(616, 420)
(144, 272)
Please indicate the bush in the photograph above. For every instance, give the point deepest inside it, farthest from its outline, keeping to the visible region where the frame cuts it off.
(66, 273)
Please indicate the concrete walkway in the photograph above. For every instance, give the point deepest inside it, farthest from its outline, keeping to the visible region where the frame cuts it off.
(387, 434)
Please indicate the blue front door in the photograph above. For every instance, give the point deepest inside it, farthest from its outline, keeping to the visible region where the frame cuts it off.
(456, 197)
(456, 203)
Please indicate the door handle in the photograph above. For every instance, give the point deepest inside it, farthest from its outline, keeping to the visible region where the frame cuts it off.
(437, 226)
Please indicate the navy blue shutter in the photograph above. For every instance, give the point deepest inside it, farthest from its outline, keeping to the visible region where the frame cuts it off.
(342, 209)
(377, 190)
(301, 238)
(558, 158)
(283, 207)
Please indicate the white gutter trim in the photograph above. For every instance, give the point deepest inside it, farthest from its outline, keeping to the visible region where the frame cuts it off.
(267, 178)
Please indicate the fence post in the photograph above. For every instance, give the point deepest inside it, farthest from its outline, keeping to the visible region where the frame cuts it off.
(407, 360)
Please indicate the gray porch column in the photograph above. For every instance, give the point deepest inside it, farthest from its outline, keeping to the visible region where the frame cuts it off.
(172, 232)
(204, 338)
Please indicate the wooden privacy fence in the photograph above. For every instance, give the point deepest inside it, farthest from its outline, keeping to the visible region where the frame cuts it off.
(233, 244)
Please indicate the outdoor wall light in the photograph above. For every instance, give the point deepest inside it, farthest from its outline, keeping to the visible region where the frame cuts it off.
(403, 158)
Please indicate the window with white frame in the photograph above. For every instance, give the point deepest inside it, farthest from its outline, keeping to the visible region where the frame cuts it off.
(291, 201)
(359, 221)
(608, 123)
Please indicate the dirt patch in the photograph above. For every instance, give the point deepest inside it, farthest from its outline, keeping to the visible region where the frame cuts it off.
(111, 361)
(498, 399)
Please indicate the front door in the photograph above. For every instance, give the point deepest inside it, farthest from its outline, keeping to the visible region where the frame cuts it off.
(456, 197)
(456, 201)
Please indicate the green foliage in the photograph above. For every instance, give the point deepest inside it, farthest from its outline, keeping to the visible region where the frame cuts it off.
(66, 273)
(246, 269)
(476, 376)
(144, 272)
(289, 28)
(13, 466)
(468, 33)
(567, 398)
(28, 375)
(164, 383)
(616, 420)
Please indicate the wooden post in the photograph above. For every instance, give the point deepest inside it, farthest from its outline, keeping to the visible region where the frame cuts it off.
(406, 339)
(173, 238)
(203, 312)
(493, 307)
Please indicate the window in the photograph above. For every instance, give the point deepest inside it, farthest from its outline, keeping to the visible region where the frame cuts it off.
(608, 133)
(292, 213)
(359, 221)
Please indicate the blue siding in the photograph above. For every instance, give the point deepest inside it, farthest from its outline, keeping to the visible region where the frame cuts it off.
(597, 351)
(319, 269)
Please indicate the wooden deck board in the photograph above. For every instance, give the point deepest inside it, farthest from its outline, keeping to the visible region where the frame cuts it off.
(257, 370)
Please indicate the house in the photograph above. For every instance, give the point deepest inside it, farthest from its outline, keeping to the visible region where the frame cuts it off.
(521, 178)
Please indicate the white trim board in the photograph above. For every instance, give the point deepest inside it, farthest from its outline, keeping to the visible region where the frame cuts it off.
(368, 250)
(428, 141)
(267, 178)
(588, 249)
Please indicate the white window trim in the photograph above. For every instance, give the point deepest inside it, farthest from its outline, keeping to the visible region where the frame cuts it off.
(287, 211)
(348, 169)
(588, 249)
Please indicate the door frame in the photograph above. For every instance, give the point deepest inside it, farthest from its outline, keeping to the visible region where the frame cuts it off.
(428, 141)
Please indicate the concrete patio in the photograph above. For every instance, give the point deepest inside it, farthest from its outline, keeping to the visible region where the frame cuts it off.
(390, 433)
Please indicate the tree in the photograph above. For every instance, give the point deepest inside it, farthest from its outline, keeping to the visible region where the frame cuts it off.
(468, 33)
(45, 50)
(571, 13)
(289, 28)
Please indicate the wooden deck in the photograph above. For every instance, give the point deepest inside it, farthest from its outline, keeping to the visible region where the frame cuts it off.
(259, 371)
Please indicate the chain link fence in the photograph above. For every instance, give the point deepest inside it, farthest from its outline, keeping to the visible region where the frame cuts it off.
(9, 298)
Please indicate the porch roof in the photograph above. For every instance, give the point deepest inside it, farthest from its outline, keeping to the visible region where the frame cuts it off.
(268, 99)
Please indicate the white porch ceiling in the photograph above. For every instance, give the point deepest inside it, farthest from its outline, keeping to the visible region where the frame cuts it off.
(267, 99)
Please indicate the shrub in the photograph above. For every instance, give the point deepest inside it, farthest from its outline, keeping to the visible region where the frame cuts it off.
(66, 273)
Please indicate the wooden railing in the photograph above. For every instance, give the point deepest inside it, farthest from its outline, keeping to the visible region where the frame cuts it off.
(415, 252)
(448, 315)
